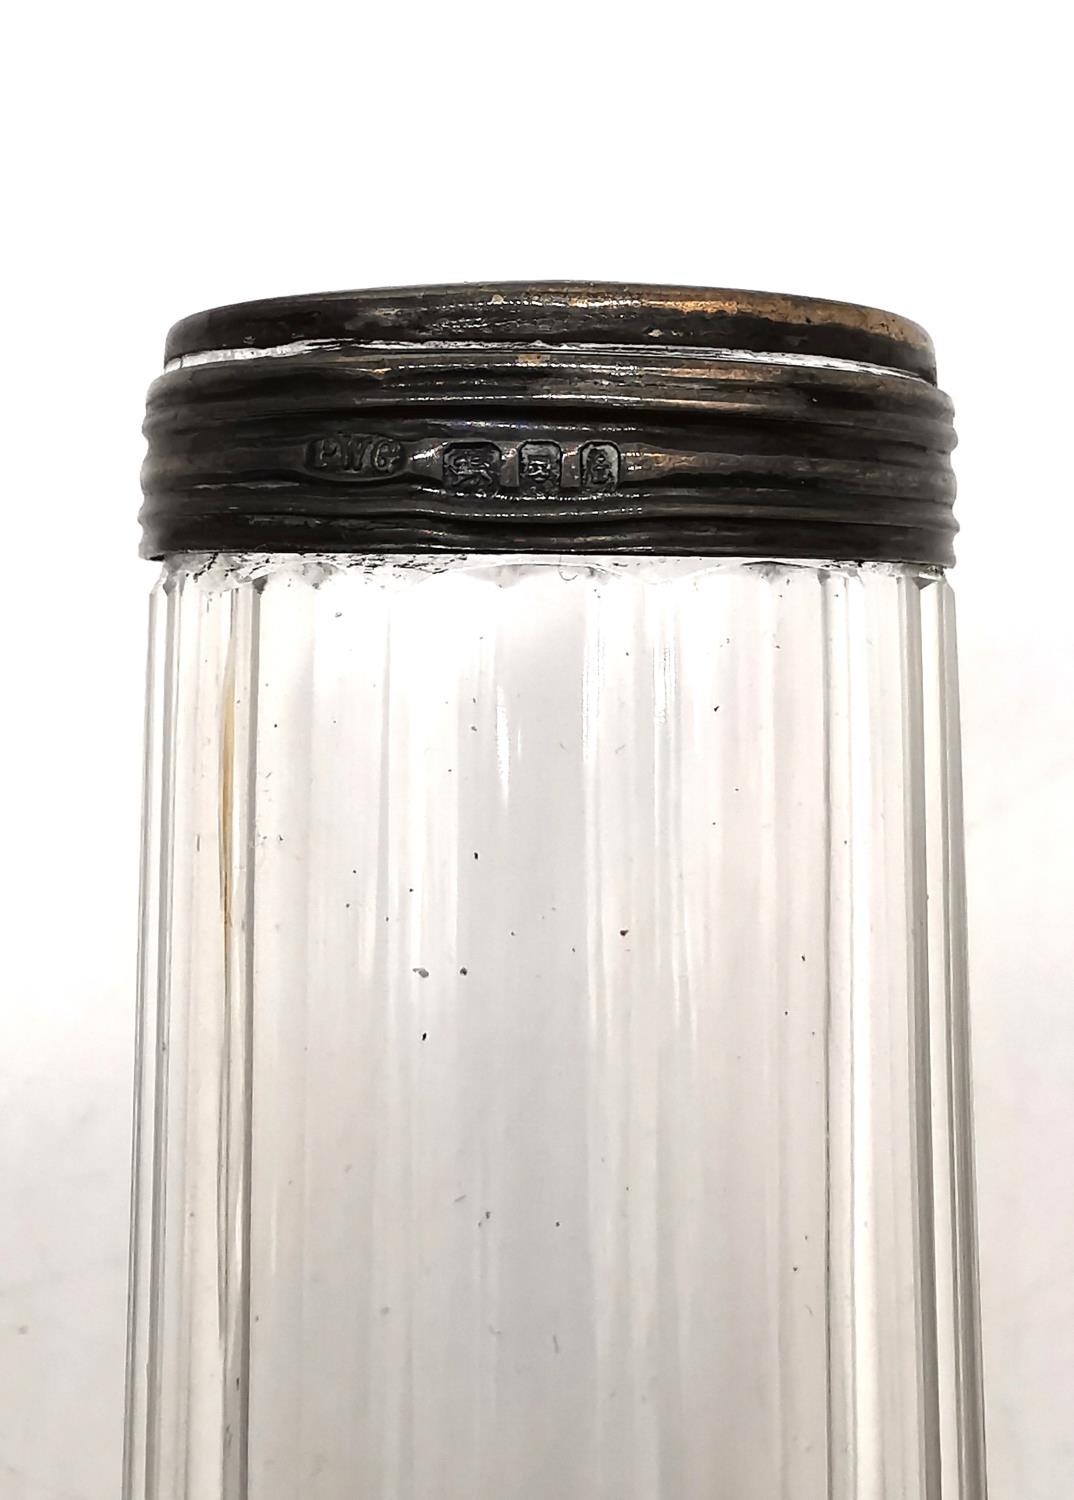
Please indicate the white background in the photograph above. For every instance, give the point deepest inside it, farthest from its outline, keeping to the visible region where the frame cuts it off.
(164, 158)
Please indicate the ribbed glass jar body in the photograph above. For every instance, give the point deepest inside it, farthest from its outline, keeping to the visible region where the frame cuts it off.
(554, 1071)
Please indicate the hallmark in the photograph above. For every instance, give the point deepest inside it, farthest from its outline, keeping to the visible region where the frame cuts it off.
(472, 468)
(540, 468)
(536, 467)
(599, 465)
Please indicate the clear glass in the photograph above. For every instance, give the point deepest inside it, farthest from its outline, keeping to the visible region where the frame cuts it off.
(554, 1075)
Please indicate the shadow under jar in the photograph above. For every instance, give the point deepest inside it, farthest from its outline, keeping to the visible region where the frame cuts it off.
(553, 1053)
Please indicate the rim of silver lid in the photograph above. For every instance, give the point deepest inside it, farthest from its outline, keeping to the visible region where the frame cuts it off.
(554, 312)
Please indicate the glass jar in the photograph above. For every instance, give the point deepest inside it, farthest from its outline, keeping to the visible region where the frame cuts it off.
(554, 1068)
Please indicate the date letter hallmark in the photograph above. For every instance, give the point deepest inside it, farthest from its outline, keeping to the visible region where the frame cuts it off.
(599, 466)
(357, 455)
(473, 469)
